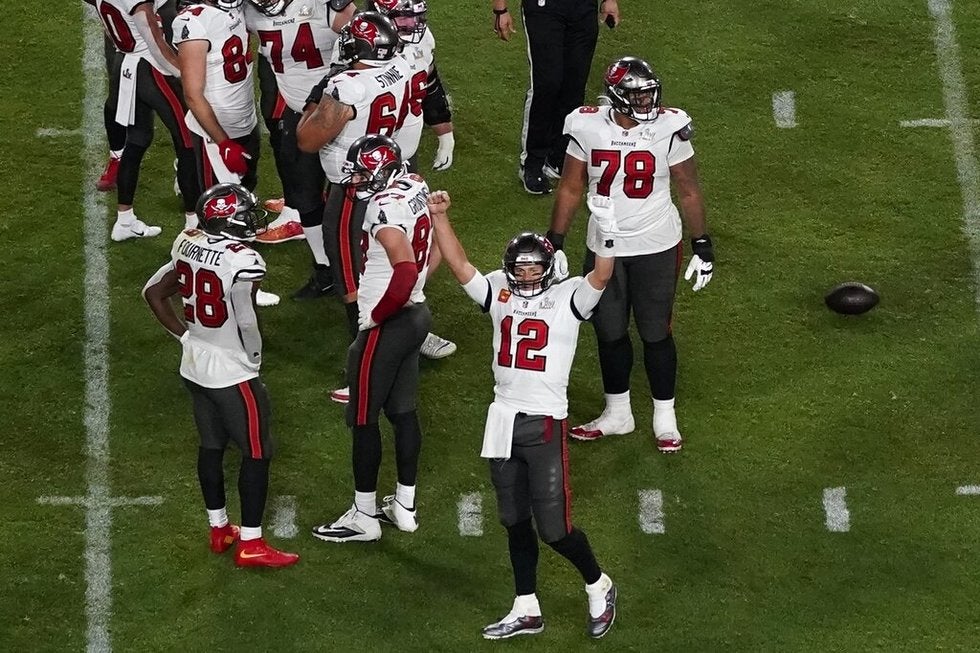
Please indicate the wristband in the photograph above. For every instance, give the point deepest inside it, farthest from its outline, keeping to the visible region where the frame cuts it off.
(556, 239)
(499, 12)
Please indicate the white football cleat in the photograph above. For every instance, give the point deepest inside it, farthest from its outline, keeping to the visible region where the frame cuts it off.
(395, 513)
(435, 347)
(352, 526)
(263, 298)
(605, 424)
(135, 229)
(340, 395)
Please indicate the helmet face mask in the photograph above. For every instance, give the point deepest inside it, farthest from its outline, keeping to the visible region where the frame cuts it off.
(228, 5)
(231, 211)
(369, 37)
(371, 163)
(410, 17)
(634, 89)
(529, 265)
(271, 7)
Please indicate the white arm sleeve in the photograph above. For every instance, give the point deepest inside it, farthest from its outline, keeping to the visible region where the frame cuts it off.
(478, 288)
(248, 322)
(584, 300)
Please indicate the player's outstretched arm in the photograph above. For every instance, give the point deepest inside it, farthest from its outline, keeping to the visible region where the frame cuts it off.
(157, 292)
(449, 246)
(574, 177)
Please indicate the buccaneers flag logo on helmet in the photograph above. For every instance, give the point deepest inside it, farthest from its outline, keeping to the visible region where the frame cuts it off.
(616, 72)
(221, 207)
(377, 158)
(387, 4)
(364, 30)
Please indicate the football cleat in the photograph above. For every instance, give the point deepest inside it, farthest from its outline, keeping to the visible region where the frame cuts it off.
(263, 298)
(340, 395)
(435, 347)
(275, 205)
(551, 171)
(222, 537)
(394, 513)
(604, 424)
(669, 441)
(107, 181)
(534, 181)
(512, 625)
(353, 526)
(135, 229)
(599, 626)
(258, 553)
(176, 183)
(319, 285)
(282, 233)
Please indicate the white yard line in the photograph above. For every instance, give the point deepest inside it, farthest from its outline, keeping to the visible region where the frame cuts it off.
(470, 514)
(54, 132)
(931, 122)
(88, 502)
(838, 518)
(968, 490)
(784, 109)
(284, 517)
(960, 128)
(651, 514)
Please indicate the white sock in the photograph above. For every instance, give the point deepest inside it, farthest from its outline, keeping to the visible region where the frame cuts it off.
(619, 404)
(405, 495)
(125, 218)
(250, 533)
(314, 238)
(597, 595)
(115, 154)
(190, 220)
(527, 605)
(664, 418)
(366, 502)
(218, 518)
(289, 214)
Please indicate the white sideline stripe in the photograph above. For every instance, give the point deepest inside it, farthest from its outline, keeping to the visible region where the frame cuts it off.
(284, 516)
(54, 132)
(967, 490)
(960, 132)
(90, 502)
(98, 513)
(784, 109)
(932, 122)
(470, 514)
(652, 512)
(835, 507)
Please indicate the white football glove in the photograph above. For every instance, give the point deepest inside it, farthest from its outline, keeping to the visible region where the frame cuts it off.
(366, 322)
(604, 217)
(702, 262)
(561, 266)
(444, 153)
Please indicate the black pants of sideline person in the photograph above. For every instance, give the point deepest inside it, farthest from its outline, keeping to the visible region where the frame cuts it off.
(561, 37)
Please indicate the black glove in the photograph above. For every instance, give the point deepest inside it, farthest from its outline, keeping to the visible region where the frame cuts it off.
(702, 247)
(557, 240)
(316, 93)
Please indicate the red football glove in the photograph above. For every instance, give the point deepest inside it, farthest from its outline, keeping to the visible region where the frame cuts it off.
(235, 157)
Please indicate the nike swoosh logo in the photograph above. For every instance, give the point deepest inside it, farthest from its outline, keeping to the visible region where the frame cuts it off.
(250, 555)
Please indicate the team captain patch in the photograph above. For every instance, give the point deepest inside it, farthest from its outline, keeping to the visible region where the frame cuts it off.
(504, 296)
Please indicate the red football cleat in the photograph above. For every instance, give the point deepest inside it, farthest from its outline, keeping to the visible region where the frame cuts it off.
(222, 537)
(258, 553)
(282, 233)
(274, 205)
(107, 181)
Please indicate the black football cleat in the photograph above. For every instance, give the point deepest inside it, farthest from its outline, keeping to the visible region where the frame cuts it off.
(599, 626)
(513, 625)
(534, 181)
(319, 285)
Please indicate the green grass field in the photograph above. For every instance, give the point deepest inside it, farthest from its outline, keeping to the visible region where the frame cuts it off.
(778, 398)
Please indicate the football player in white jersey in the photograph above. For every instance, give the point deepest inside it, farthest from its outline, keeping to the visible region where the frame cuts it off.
(631, 151)
(296, 41)
(383, 361)
(143, 82)
(410, 17)
(535, 333)
(217, 276)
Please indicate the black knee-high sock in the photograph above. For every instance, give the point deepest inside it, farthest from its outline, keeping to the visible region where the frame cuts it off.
(253, 488)
(575, 548)
(352, 317)
(129, 172)
(616, 362)
(367, 457)
(114, 132)
(212, 477)
(523, 544)
(313, 218)
(660, 361)
(408, 444)
(187, 179)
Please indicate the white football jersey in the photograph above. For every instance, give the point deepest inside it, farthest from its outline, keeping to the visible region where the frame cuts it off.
(633, 168)
(206, 268)
(119, 24)
(403, 205)
(228, 87)
(298, 45)
(534, 342)
(378, 96)
(419, 57)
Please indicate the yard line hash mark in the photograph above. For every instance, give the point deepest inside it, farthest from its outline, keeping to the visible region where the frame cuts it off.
(470, 508)
(651, 513)
(54, 132)
(284, 516)
(932, 122)
(784, 109)
(968, 490)
(838, 518)
(960, 130)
